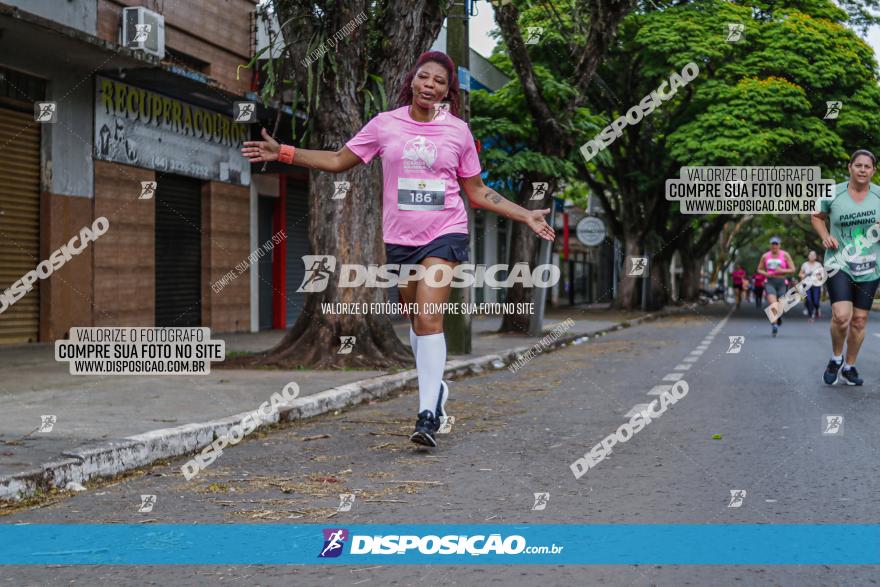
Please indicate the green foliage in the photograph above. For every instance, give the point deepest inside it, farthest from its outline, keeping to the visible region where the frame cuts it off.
(512, 153)
(307, 18)
(798, 238)
(375, 100)
(758, 101)
(762, 100)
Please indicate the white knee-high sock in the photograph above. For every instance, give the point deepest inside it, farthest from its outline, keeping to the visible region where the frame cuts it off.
(430, 361)
(414, 342)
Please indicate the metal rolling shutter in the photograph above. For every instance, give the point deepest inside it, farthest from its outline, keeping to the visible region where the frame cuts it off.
(19, 221)
(297, 229)
(178, 251)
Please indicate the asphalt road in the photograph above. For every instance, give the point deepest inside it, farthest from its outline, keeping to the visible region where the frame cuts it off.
(516, 435)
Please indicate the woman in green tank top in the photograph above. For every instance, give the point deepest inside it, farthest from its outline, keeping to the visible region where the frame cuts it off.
(850, 262)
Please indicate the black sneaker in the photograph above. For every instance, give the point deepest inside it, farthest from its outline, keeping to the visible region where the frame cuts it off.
(831, 372)
(851, 376)
(426, 427)
(441, 403)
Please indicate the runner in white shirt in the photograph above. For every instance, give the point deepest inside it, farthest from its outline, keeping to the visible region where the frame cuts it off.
(814, 293)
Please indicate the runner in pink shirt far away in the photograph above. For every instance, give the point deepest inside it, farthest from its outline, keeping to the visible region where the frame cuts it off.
(428, 156)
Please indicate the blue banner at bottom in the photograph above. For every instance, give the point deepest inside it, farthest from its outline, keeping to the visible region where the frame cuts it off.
(453, 544)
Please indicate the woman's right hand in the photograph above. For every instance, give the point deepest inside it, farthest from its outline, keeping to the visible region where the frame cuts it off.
(830, 242)
(259, 151)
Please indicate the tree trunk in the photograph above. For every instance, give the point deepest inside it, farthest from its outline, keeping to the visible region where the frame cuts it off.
(348, 229)
(690, 276)
(315, 339)
(523, 248)
(659, 290)
(629, 285)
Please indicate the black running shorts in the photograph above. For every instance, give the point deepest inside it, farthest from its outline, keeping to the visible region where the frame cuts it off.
(842, 288)
(452, 247)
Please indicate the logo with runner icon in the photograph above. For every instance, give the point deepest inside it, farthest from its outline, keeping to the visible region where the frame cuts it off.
(346, 500)
(340, 189)
(346, 345)
(334, 541)
(737, 497)
(541, 501)
(639, 264)
(47, 423)
(319, 268)
(832, 109)
(832, 424)
(147, 503)
(446, 423)
(419, 153)
(735, 31)
(736, 344)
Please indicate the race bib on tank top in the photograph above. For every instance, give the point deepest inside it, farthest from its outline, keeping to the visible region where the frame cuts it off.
(421, 194)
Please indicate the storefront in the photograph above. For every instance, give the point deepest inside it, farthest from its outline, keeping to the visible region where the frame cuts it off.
(178, 251)
(19, 202)
(174, 244)
(123, 118)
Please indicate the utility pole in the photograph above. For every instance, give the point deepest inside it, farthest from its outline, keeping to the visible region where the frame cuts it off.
(539, 295)
(458, 326)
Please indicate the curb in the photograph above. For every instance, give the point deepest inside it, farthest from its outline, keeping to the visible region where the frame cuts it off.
(111, 458)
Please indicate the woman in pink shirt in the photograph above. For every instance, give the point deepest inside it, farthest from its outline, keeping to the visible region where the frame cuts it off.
(775, 264)
(738, 275)
(427, 153)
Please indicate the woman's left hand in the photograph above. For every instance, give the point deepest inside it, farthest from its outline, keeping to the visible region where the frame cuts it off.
(536, 222)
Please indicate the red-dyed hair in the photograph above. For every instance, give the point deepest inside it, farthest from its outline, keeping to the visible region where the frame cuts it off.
(405, 97)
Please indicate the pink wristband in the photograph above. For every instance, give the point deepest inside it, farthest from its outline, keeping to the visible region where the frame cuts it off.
(285, 155)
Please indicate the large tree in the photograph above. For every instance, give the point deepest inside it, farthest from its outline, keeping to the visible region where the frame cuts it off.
(577, 39)
(344, 85)
(757, 101)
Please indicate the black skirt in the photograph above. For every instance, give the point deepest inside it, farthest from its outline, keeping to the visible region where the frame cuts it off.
(452, 247)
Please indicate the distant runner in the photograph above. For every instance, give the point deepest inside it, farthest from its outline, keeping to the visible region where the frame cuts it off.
(775, 264)
(738, 275)
(814, 292)
(758, 281)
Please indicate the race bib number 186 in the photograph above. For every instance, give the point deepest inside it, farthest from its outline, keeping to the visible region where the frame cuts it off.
(421, 194)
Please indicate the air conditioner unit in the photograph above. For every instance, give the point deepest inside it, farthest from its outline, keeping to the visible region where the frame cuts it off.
(143, 29)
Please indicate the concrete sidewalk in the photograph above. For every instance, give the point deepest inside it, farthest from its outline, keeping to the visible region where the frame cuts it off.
(108, 424)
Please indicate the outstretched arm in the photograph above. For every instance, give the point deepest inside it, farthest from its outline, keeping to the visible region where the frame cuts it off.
(485, 197)
(268, 149)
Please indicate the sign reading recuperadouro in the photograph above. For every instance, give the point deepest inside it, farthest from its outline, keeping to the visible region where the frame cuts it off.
(143, 128)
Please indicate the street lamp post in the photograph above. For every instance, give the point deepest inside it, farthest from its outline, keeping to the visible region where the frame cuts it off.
(458, 325)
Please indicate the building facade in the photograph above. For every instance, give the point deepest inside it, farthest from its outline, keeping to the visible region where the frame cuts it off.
(127, 110)
(147, 140)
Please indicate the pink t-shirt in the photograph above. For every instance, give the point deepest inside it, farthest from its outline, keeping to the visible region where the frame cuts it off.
(440, 150)
(773, 264)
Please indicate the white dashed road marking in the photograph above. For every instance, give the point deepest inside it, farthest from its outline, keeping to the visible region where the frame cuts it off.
(685, 365)
(636, 409)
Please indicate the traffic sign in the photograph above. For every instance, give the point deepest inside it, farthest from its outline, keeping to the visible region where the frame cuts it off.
(591, 231)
